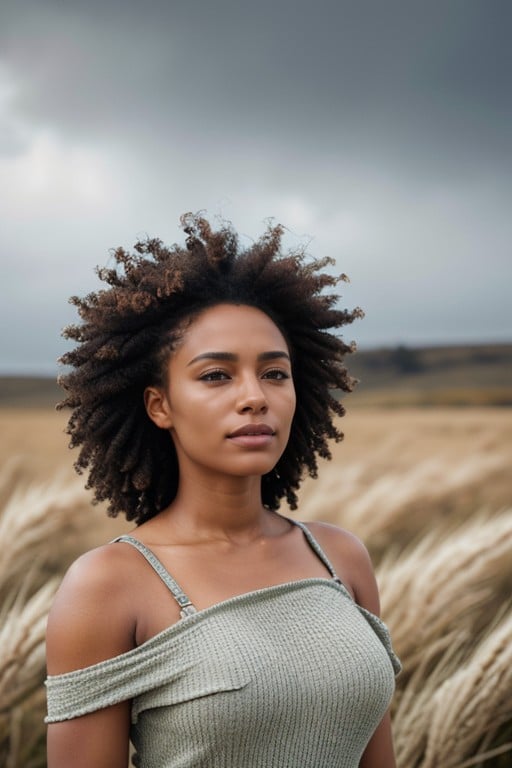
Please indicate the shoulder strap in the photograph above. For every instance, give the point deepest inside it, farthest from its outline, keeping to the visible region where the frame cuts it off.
(315, 546)
(187, 608)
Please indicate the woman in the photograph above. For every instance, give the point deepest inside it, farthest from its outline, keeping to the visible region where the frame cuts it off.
(219, 633)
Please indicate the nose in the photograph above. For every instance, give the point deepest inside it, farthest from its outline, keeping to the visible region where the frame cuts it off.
(251, 397)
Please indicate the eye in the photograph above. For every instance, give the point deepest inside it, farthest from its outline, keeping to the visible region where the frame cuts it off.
(216, 375)
(277, 374)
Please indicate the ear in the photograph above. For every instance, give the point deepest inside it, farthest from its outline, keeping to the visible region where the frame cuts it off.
(157, 407)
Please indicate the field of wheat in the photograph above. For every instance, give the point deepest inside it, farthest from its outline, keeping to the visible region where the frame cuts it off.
(430, 493)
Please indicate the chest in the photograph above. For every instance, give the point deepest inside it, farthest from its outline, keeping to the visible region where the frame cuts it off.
(296, 671)
(212, 580)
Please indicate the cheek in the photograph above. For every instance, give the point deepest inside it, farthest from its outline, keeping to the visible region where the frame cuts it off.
(292, 402)
(197, 416)
(288, 410)
(191, 435)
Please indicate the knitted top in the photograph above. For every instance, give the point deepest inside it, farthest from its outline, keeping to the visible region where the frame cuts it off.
(295, 675)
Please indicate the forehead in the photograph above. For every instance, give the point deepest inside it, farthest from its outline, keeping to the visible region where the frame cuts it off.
(226, 327)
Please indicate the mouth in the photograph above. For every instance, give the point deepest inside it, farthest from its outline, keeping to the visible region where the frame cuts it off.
(253, 430)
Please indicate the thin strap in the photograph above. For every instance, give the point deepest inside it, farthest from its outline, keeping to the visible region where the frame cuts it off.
(187, 608)
(315, 546)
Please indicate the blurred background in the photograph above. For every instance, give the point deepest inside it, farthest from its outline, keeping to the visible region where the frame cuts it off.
(377, 133)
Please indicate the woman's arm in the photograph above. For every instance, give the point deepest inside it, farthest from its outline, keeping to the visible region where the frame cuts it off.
(98, 740)
(352, 563)
(91, 620)
(380, 753)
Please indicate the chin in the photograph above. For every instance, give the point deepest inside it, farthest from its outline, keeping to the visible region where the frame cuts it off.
(254, 467)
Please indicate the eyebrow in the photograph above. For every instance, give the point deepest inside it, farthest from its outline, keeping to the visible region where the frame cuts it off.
(231, 357)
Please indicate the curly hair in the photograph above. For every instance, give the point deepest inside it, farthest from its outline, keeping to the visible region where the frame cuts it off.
(129, 329)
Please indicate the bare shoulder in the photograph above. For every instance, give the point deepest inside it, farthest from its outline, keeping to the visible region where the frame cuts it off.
(91, 618)
(340, 540)
(351, 561)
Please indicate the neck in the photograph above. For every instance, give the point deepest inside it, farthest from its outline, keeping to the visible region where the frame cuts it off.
(218, 511)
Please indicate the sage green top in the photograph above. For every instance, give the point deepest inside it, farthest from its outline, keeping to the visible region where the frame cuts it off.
(290, 676)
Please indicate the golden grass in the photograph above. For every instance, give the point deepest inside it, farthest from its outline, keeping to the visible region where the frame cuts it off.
(421, 397)
(428, 491)
(439, 600)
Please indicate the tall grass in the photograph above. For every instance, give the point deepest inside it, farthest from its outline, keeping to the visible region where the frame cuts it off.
(41, 528)
(440, 534)
(447, 602)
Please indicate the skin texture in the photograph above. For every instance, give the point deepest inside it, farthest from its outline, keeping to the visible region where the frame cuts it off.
(128, 329)
(231, 370)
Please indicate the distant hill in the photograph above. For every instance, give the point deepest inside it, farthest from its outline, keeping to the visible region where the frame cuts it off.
(473, 374)
(29, 392)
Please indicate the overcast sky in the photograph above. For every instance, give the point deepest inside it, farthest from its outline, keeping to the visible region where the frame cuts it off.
(378, 132)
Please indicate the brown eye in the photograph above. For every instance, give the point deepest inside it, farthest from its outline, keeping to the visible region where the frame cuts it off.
(216, 375)
(277, 374)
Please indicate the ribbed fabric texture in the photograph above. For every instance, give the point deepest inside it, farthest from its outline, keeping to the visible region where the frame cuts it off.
(291, 676)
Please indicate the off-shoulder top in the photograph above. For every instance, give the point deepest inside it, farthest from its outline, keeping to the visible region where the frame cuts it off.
(295, 675)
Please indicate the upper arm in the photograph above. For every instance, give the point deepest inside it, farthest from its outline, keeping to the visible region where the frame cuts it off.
(380, 753)
(90, 621)
(353, 565)
(97, 740)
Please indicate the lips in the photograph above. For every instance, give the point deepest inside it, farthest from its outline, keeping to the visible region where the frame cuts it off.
(252, 430)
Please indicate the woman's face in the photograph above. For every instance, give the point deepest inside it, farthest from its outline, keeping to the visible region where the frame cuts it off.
(230, 399)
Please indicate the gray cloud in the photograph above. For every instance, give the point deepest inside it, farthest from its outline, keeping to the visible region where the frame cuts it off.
(344, 69)
(380, 131)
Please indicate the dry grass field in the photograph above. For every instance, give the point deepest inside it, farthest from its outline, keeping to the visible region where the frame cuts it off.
(428, 490)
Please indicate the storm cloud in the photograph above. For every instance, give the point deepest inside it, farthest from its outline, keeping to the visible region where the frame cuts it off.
(377, 132)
